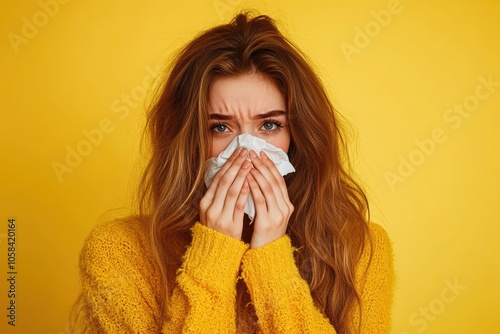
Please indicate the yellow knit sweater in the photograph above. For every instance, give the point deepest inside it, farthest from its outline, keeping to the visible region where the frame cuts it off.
(121, 285)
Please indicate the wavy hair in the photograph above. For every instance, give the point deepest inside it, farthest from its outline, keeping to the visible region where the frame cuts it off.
(329, 225)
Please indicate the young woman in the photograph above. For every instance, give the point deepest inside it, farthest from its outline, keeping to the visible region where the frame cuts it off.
(311, 262)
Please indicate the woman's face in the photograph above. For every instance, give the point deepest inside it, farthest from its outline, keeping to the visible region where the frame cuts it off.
(247, 104)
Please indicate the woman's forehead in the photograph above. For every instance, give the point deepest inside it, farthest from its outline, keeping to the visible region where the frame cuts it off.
(248, 93)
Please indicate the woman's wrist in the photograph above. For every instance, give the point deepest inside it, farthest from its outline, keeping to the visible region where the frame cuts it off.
(213, 257)
(270, 264)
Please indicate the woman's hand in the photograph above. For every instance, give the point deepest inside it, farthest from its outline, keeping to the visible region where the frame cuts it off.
(270, 195)
(222, 207)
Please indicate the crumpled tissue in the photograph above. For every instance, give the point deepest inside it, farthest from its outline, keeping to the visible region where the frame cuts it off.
(277, 155)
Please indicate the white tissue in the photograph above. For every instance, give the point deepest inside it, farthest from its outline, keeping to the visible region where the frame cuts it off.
(277, 155)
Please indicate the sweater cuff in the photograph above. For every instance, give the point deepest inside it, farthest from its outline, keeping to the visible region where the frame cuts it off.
(271, 266)
(213, 259)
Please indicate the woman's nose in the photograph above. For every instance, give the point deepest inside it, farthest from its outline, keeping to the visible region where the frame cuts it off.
(248, 130)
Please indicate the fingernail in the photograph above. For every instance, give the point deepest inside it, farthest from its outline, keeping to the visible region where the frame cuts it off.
(263, 155)
(253, 154)
(243, 152)
(246, 164)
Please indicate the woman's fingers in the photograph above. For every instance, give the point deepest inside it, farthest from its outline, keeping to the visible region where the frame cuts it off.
(270, 180)
(272, 205)
(233, 194)
(222, 206)
(270, 221)
(276, 173)
(258, 198)
(210, 193)
(239, 209)
(224, 185)
(266, 195)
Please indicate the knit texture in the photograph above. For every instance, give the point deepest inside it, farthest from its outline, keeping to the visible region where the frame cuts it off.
(121, 285)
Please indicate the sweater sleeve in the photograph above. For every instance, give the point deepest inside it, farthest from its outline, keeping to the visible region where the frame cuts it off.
(281, 297)
(120, 283)
(205, 297)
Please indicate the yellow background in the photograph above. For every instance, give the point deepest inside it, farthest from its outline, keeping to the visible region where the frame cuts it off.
(74, 73)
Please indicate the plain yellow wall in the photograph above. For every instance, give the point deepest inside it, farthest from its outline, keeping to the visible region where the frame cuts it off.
(419, 80)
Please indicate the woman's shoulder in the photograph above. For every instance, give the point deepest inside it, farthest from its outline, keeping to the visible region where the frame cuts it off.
(379, 235)
(117, 238)
(378, 252)
(119, 230)
(118, 274)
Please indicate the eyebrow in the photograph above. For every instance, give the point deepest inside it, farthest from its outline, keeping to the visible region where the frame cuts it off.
(225, 117)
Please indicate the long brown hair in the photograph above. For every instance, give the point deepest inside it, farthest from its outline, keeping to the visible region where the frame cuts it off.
(329, 225)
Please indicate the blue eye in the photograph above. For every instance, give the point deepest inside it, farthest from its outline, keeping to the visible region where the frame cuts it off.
(269, 126)
(219, 128)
